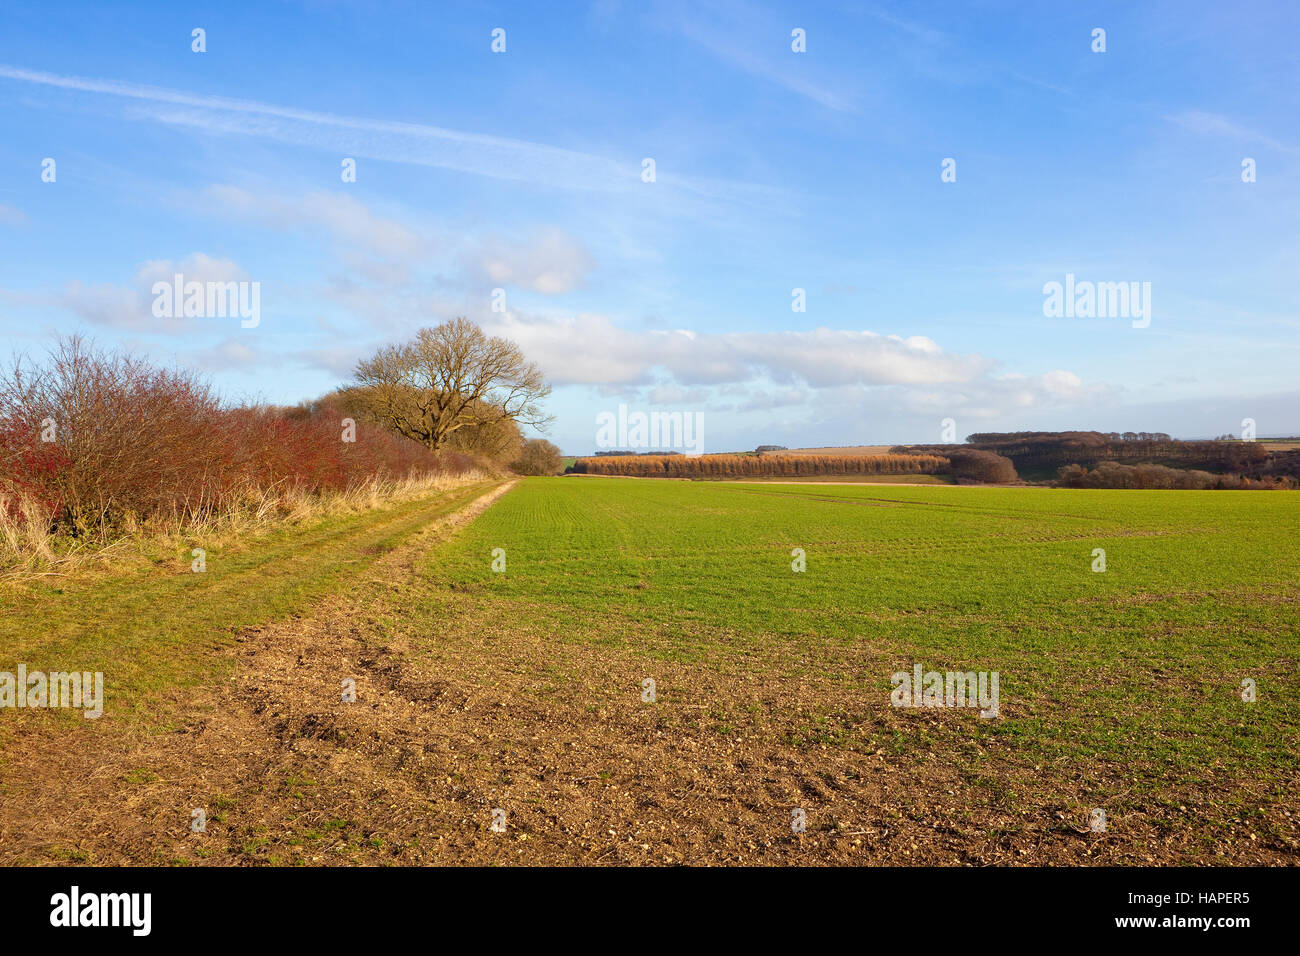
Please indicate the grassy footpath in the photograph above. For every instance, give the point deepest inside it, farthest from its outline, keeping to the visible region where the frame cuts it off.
(156, 630)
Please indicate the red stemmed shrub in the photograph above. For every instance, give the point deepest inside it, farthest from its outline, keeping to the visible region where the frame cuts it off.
(102, 440)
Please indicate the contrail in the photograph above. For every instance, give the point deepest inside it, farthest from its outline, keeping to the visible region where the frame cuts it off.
(414, 143)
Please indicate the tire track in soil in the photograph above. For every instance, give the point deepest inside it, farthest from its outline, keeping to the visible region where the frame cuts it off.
(120, 799)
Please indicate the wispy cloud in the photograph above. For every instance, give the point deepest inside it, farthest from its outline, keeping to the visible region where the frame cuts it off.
(748, 38)
(717, 42)
(379, 247)
(339, 216)
(411, 143)
(12, 216)
(129, 306)
(1216, 124)
(551, 262)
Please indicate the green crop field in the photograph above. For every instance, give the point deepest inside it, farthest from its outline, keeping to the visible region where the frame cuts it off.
(635, 672)
(1119, 688)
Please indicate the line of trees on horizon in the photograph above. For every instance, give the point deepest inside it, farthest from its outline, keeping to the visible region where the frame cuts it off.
(1113, 474)
(962, 464)
(766, 465)
(1049, 451)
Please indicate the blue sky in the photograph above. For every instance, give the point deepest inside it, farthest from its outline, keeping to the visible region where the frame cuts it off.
(775, 170)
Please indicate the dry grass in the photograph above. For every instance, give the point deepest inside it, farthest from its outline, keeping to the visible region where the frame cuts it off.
(24, 531)
(29, 546)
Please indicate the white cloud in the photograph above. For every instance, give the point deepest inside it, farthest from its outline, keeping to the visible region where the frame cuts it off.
(337, 360)
(676, 395)
(106, 304)
(345, 219)
(1062, 383)
(766, 402)
(130, 306)
(550, 262)
(589, 349)
(860, 384)
(385, 252)
(230, 353)
(196, 267)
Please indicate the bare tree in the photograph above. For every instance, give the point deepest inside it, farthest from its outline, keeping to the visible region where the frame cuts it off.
(538, 457)
(449, 378)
